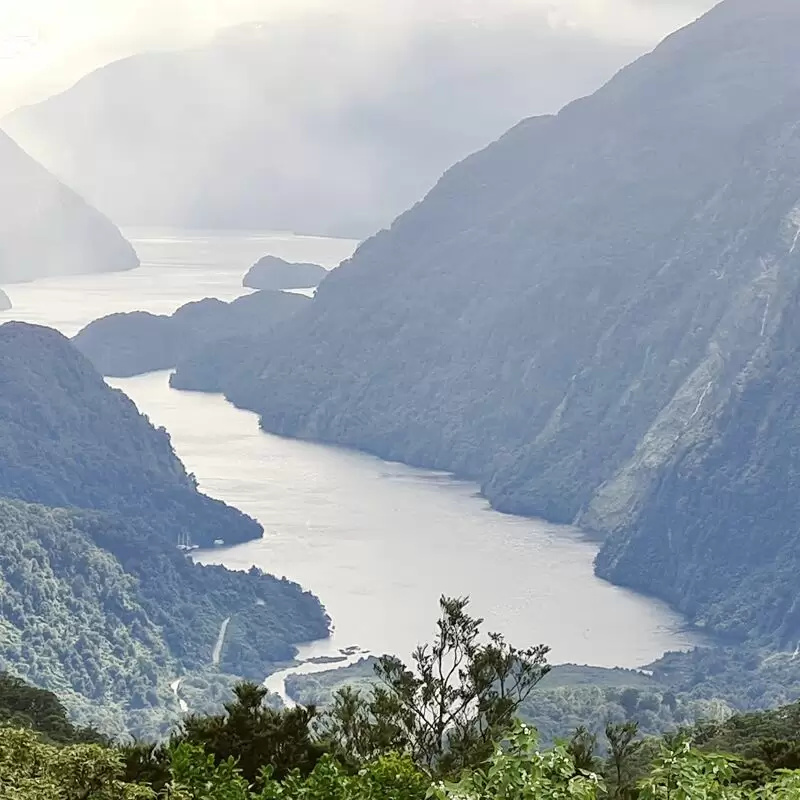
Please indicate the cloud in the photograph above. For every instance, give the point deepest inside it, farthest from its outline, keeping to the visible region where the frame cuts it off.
(45, 45)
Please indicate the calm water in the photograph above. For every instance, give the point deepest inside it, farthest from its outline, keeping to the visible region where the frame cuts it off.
(378, 542)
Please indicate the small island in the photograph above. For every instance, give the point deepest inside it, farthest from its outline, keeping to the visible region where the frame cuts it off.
(5, 302)
(276, 274)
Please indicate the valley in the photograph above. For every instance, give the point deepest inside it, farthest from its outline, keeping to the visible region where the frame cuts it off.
(348, 526)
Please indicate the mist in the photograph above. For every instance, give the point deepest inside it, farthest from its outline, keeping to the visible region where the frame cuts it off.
(47, 46)
(314, 119)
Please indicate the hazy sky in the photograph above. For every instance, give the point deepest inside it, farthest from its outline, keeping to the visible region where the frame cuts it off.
(45, 45)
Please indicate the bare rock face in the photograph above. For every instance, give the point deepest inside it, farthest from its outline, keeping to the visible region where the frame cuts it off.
(46, 229)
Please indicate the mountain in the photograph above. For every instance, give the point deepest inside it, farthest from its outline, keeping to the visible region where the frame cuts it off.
(69, 440)
(329, 124)
(128, 344)
(96, 600)
(275, 273)
(595, 317)
(46, 229)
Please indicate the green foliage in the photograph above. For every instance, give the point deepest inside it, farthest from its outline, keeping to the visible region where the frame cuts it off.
(519, 771)
(68, 440)
(199, 776)
(389, 777)
(104, 613)
(681, 773)
(447, 711)
(23, 706)
(32, 770)
(256, 753)
(256, 736)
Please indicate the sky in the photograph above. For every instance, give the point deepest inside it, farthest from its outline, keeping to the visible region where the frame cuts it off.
(46, 45)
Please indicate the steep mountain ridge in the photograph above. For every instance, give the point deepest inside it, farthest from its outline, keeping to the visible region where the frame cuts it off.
(577, 307)
(46, 229)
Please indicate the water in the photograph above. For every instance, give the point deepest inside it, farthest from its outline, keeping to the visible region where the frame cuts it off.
(176, 269)
(378, 542)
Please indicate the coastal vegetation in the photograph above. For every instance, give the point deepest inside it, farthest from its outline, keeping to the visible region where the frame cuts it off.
(98, 599)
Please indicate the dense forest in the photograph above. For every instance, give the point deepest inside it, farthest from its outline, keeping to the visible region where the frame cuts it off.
(121, 345)
(595, 319)
(422, 731)
(69, 440)
(97, 602)
(46, 229)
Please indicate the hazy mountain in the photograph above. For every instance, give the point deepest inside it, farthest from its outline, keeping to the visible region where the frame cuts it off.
(321, 125)
(46, 229)
(98, 602)
(132, 343)
(595, 317)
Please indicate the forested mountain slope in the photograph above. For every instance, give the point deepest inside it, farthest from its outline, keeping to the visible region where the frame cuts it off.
(96, 600)
(46, 229)
(69, 440)
(593, 317)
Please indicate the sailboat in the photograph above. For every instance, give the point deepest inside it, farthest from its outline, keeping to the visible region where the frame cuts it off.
(185, 543)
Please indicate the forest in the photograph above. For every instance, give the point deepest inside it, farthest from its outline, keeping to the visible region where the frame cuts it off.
(445, 727)
(97, 603)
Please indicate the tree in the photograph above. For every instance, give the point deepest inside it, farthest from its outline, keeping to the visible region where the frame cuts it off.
(33, 770)
(448, 710)
(582, 748)
(622, 746)
(521, 772)
(255, 735)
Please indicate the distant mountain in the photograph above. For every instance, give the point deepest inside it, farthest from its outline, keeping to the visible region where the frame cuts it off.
(597, 318)
(328, 125)
(46, 229)
(98, 602)
(121, 345)
(277, 274)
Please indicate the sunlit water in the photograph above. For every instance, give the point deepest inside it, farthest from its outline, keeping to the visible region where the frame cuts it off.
(377, 542)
